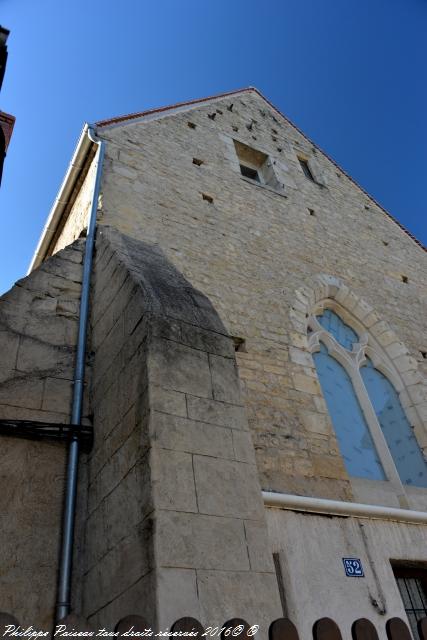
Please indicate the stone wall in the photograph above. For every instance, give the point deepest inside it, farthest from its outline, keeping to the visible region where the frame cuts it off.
(75, 219)
(38, 330)
(175, 522)
(252, 249)
(315, 584)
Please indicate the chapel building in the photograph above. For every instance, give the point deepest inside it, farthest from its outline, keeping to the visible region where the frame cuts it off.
(255, 384)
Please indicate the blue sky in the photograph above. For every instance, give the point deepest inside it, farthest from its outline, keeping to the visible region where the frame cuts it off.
(350, 73)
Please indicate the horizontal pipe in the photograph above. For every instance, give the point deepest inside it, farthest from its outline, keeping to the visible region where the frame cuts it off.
(339, 508)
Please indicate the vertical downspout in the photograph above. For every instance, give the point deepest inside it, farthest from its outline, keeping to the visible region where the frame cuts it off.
(66, 552)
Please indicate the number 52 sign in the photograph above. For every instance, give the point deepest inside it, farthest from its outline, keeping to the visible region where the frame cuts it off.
(353, 568)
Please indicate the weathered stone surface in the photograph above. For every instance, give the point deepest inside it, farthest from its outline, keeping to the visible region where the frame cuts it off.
(123, 565)
(251, 599)
(219, 413)
(227, 488)
(38, 329)
(182, 434)
(150, 373)
(207, 341)
(177, 589)
(253, 256)
(168, 401)
(201, 542)
(260, 556)
(252, 271)
(173, 480)
(137, 599)
(243, 446)
(180, 368)
(225, 379)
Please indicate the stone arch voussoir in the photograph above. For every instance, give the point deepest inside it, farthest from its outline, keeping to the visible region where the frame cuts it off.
(402, 369)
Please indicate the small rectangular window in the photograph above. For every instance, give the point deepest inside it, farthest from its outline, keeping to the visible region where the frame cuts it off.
(256, 165)
(249, 172)
(412, 584)
(306, 169)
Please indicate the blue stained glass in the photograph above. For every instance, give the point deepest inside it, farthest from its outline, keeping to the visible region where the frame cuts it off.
(404, 448)
(354, 439)
(336, 327)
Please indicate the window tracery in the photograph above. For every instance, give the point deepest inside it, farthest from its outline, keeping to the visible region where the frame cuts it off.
(373, 431)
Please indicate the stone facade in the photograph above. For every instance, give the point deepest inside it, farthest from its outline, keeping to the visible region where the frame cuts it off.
(255, 251)
(203, 390)
(175, 517)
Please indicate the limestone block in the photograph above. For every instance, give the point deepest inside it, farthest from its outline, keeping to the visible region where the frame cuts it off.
(306, 383)
(328, 466)
(200, 541)
(109, 348)
(138, 599)
(180, 368)
(300, 356)
(96, 543)
(121, 567)
(133, 313)
(177, 595)
(225, 381)
(128, 503)
(173, 480)
(182, 434)
(227, 488)
(260, 556)
(57, 392)
(243, 446)
(124, 171)
(207, 340)
(45, 279)
(168, 328)
(214, 412)
(417, 393)
(25, 392)
(226, 594)
(405, 363)
(34, 355)
(379, 327)
(168, 401)
(412, 377)
(396, 350)
(9, 343)
(316, 423)
(118, 463)
(61, 266)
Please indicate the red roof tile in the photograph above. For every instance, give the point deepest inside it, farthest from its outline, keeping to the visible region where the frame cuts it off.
(7, 123)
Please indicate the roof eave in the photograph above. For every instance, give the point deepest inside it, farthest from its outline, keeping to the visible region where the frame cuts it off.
(62, 199)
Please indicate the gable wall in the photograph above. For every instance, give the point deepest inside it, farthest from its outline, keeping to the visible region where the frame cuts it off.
(251, 249)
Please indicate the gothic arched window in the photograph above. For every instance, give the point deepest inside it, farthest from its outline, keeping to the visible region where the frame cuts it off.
(373, 432)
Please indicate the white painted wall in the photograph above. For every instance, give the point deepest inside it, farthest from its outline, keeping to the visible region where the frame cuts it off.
(311, 549)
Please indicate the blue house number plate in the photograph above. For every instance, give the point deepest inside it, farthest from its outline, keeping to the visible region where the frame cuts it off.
(353, 568)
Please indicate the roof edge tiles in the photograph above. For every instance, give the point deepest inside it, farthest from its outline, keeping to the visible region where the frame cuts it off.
(188, 103)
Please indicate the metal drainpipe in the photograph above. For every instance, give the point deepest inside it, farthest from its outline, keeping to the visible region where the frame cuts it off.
(66, 552)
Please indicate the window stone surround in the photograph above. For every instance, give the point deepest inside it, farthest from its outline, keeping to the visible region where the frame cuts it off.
(389, 355)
